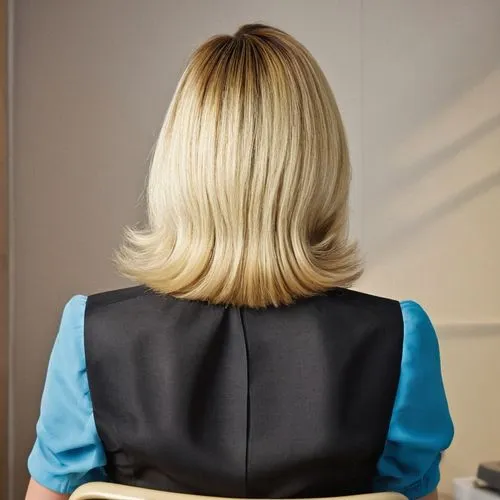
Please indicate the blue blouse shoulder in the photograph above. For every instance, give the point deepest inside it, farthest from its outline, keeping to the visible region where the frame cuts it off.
(67, 452)
(421, 426)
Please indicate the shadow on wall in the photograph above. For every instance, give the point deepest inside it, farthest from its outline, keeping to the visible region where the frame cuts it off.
(453, 159)
(407, 230)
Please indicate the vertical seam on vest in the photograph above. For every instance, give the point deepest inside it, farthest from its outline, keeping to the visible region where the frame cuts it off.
(247, 444)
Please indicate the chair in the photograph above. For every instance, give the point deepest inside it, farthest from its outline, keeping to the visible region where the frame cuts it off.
(108, 491)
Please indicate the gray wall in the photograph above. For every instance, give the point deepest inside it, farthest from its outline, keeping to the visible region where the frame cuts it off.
(419, 87)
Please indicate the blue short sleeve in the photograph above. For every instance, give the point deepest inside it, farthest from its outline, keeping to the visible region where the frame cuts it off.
(421, 426)
(67, 452)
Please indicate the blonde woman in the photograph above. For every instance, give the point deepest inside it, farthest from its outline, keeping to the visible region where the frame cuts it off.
(242, 365)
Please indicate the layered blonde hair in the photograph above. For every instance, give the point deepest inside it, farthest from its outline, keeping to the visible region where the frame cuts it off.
(249, 182)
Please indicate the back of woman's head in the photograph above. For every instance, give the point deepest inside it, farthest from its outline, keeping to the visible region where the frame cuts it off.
(248, 188)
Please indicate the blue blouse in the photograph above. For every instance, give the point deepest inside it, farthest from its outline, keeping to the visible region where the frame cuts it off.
(68, 452)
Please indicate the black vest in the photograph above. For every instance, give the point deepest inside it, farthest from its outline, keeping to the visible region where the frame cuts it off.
(280, 402)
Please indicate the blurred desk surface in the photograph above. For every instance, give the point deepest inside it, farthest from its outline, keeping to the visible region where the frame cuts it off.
(464, 489)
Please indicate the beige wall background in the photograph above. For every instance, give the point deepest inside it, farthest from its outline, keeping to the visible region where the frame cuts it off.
(418, 83)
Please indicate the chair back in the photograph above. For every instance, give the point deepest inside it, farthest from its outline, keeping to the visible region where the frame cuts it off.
(109, 491)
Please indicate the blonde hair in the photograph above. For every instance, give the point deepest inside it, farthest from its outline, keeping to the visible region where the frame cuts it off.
(249, 182)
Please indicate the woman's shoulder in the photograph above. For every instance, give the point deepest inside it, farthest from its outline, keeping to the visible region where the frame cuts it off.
(420, 336)
(118, 295)
(77, 309)
(410, 309)
(413, 312)
(370, 303)
(362, 298)
(416, 324)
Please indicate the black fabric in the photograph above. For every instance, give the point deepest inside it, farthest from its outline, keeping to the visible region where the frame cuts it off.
(280, 402)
